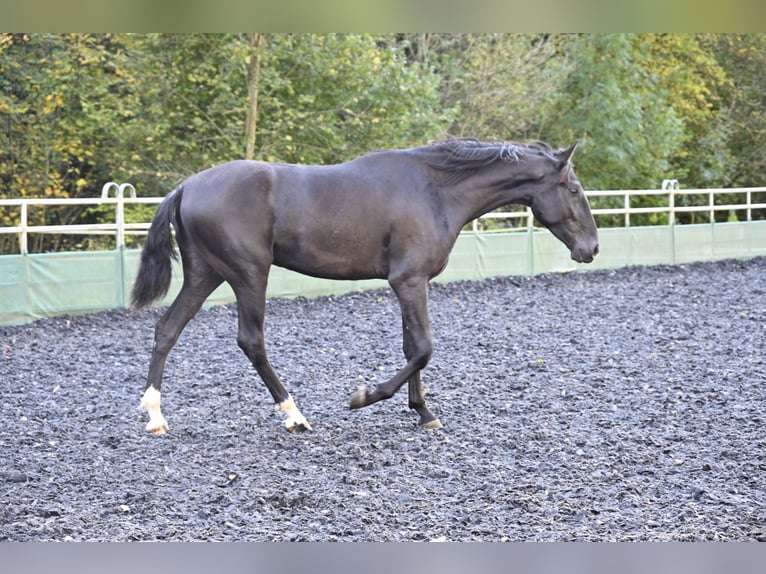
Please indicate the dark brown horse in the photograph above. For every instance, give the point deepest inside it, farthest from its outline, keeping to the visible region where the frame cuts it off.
(392, 215)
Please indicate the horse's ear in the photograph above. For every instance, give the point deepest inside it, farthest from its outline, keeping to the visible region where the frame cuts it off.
(564, 166)
(565, 155)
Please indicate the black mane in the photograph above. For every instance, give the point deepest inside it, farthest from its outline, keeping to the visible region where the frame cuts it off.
(461, 158)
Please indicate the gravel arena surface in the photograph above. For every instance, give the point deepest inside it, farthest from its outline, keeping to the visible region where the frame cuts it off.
(607, 405)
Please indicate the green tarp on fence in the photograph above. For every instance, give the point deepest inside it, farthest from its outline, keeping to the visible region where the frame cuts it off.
(41, 285)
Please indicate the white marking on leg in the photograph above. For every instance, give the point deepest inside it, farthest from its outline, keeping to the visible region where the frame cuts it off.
(151, 402)
(295, 420)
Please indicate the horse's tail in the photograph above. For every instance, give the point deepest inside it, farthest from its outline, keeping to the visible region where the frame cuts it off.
(155, 270)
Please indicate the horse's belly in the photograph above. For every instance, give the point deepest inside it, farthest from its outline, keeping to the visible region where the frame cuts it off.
(339, 260)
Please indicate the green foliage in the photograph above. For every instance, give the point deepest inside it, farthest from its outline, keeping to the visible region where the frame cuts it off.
(743, 93)
(505, 84)
(77, 110)
(322, 99)
(616, 106)
(63, 102)
(333, 97)
(691, 80)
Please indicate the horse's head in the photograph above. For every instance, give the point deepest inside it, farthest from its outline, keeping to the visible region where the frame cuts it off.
(561, 205)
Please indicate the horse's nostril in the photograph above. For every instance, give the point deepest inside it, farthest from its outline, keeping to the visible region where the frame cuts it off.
(595, 249)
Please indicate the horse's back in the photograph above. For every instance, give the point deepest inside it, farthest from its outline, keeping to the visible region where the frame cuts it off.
(366, 181)
(343, 221)
(222, 183)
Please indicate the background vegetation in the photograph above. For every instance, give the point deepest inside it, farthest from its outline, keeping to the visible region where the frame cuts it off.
(78, 110)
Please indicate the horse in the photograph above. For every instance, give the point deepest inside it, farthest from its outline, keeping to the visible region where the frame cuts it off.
(389, 214)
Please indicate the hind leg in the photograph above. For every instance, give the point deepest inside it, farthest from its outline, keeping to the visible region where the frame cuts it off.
(199, 281)
(251, 305)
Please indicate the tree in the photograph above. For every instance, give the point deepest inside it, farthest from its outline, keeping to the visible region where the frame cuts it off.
(617, 108)
(505, 84)
(77, 110)
(328, 98)
(691, 80)
(316, 98)
(253, 87)
(743, 95)
(63, 104)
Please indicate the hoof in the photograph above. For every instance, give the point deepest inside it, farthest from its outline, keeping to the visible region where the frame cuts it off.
(295, 421)
(298, 428)
(151, 402)
(359, 398)
(157, 427)
(430, 425)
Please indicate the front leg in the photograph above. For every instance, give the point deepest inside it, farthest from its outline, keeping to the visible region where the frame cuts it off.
(417, 402)
(418, 346)
(295, 422)
(417, 399)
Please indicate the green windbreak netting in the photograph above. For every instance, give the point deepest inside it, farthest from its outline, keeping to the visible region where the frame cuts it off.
(41, 285)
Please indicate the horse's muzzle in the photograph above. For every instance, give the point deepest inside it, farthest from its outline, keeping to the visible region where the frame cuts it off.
(584, 255)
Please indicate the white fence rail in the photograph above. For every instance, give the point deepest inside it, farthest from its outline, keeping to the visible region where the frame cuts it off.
(119, 228)
(670, 189)
(716, 201)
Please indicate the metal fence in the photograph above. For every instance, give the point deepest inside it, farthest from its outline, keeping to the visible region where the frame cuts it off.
(120, 195)
(119, 228)
(715, 200)
(34, 285)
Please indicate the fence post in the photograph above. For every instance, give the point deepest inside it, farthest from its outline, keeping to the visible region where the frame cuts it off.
(530, 240)
(119, 220)
(23, 238)
(671, 186)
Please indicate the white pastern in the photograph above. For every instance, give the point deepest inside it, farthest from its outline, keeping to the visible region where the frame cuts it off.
(295, 421)
(151, 402)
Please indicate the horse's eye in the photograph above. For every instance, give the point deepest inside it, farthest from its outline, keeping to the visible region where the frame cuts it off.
(572, 190)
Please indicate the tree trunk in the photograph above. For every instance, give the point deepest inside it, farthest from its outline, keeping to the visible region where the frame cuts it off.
(253, 77)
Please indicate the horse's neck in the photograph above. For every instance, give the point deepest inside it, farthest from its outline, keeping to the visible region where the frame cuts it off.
(476, 196)
(492, 187)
